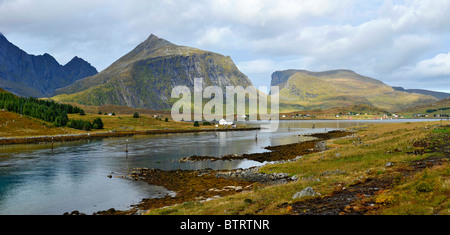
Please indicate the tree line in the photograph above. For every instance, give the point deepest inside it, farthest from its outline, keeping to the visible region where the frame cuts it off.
(48, 111)
(434, 110)
(86, 125)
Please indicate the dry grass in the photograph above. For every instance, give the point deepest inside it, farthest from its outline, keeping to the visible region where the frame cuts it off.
(16, 125)
(360, 156)
(144, 122)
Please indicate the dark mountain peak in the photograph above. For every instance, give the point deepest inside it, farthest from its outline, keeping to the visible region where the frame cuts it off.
(76, 60)
(145, 49)
(154, 42)
(47, 58)
(77, 63)
(37, 75)
(152, 36)
(46, 55)
(2, 37)
(7, 48)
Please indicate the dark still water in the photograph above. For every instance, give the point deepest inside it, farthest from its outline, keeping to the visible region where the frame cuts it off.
(35, 180)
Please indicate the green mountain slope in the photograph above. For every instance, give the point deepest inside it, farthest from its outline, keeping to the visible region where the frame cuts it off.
(301, 89)
(144, 77)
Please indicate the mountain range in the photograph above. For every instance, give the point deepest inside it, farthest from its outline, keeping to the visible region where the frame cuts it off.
(38, 76)
(302, 89)
(144, 77)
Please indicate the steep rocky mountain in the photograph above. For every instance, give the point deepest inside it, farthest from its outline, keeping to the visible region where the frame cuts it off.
(437, 94)
(38, 76)
(301, 89)
(144, 77)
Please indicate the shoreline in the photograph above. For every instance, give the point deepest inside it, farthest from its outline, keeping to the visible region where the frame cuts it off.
(203, 185)
(110, 134)
(359, 174)
(102, 135)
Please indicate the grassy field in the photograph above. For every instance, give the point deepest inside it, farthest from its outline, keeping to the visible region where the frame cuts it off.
(144, 122)
(375, 153)
(16, 125)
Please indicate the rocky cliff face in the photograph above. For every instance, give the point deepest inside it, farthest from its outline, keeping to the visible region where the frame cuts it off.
(144, 77)
(279, 78)
(38, 76)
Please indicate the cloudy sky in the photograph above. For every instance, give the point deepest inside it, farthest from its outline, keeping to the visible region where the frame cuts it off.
(403, 43)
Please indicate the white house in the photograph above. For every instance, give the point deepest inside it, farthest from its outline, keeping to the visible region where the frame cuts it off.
(223, 122)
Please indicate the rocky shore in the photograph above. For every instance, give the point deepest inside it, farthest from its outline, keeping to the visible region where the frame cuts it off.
(281, 152)
(253, 175)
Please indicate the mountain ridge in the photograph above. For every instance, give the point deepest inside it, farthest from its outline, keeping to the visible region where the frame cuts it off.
(439, 95)
(37, 75)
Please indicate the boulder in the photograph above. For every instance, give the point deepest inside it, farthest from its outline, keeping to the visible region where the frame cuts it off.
(306, 192)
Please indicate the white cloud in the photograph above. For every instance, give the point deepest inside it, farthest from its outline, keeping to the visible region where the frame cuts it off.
(437, 66)
(258, 66)
(375, 38)
(422, 15)
(432, 73)
(215, 36)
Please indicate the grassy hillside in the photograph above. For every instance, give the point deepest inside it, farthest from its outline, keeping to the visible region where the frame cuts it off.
(16, 125)
(360, 111)
(323, 90)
